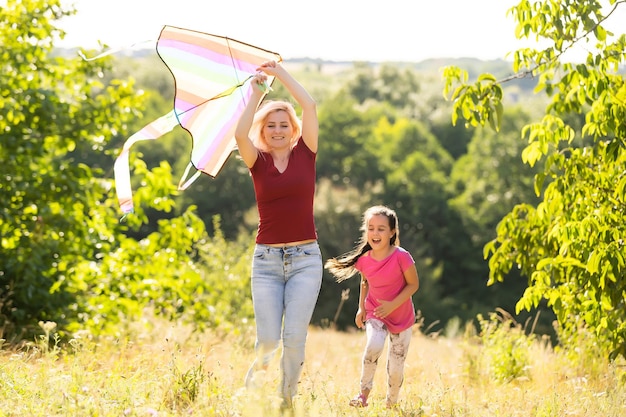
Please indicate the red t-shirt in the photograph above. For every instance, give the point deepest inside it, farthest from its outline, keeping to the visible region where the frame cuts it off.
(386, 281)
(285, 200)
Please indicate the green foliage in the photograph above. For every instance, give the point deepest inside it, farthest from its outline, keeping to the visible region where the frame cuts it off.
(583, 355)
(177, 272)
(571, 245)
(491, 178)
(505, 351)
(65, 258)
(55, 211)
(338, 210)
(226, 302)
(391, 84)
(215, 196)
(478, 103)
(344, 129)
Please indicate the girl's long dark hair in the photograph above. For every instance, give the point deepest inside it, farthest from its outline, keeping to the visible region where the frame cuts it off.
(342, 267)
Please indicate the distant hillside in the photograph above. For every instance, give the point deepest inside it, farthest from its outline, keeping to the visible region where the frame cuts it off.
(473, 65)
(499, 68)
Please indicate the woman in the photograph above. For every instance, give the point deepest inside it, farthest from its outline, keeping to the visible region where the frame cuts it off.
(280, 152)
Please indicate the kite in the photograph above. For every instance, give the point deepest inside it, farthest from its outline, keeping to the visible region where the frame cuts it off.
(211, 92)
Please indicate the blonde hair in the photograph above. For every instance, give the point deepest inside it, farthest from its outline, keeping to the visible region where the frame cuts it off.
(260, 118)
(342, 267)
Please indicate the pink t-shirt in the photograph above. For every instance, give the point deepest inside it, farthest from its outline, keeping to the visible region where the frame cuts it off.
(386, 281)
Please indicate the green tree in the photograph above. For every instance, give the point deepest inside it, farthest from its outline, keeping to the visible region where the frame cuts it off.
(179, 272)
(398, 86)
(491, 178)
(344, 131)
(361, 87)
(59, 217)
(571, 245)
(54, 211)
(486, 184)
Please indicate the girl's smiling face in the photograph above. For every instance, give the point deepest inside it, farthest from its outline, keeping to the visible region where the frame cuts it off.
(379, 233)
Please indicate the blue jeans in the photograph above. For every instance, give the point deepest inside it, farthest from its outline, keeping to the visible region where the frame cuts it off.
(286, 282)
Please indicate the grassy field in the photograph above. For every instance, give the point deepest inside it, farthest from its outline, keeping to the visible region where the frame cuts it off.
(170, 371)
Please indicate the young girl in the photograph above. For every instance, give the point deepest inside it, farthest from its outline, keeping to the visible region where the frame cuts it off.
(388, 280)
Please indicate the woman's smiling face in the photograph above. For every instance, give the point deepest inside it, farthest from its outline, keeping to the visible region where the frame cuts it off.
(277, 130)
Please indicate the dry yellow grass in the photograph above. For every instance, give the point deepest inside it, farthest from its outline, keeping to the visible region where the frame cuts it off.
(171, 372)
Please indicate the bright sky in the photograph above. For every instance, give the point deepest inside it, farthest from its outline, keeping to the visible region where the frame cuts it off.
(340, 30)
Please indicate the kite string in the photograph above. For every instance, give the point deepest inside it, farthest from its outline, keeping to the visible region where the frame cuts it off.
(111, 51)
(265, 88)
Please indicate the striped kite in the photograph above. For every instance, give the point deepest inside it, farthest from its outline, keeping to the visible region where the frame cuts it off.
(210, 74)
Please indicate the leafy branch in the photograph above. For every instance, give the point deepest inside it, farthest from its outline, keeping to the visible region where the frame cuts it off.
(480, 103)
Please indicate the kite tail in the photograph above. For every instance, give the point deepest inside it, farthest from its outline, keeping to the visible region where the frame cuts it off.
(153, 130)
(184, 183)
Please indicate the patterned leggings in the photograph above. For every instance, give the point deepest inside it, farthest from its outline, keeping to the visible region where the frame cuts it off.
(377, 332)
